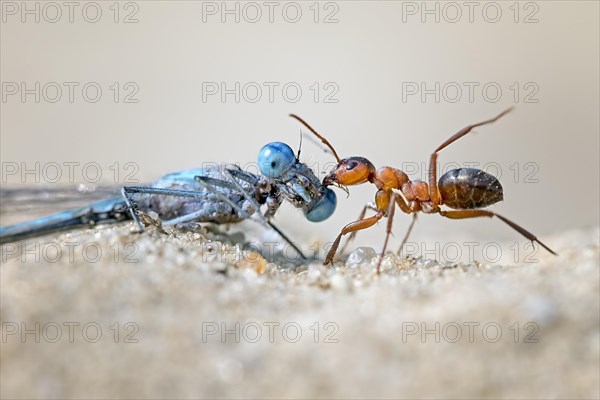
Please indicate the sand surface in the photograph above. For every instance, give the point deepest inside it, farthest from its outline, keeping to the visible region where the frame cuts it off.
(171, 315)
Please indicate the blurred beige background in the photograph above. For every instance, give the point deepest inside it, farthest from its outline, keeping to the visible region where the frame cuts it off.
(542, 55)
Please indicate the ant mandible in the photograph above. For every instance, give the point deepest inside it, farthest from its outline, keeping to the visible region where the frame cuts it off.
(466, 190)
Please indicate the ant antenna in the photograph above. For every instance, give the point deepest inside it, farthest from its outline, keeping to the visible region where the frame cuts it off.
(325, 141)
(318, 143)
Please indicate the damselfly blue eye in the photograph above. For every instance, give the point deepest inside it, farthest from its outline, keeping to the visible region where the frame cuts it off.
(324, 208)
(275, 158)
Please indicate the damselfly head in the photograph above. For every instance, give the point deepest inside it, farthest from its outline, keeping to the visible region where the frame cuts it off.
(324, 207)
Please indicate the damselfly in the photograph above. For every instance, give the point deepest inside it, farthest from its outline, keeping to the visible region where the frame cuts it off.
(218, 195)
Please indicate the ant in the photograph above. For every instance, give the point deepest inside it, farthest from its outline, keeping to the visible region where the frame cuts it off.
(466, 190)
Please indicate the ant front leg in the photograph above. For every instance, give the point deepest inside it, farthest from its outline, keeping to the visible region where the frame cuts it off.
(460, 214)
(390, 214)
(368, 206)
(352, 227)
(434, 194)
(398, 200)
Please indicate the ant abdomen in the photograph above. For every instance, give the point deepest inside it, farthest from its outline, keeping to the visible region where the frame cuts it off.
(469, 188)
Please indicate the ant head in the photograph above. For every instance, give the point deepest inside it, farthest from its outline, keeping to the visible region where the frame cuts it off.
(350, 171)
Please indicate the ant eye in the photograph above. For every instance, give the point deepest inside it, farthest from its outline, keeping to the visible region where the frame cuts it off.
(275, 158)
(351, 165)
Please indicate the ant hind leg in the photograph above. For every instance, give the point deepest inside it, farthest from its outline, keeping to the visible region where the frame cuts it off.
(460, 214)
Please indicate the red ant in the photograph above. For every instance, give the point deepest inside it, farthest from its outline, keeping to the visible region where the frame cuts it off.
(466, 190)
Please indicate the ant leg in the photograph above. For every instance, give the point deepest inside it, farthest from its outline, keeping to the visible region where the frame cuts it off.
(368, 206)
(482, 213)
(399, 200)
(390, 215)
(412, 223)
(434, 195)
(352, 227)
